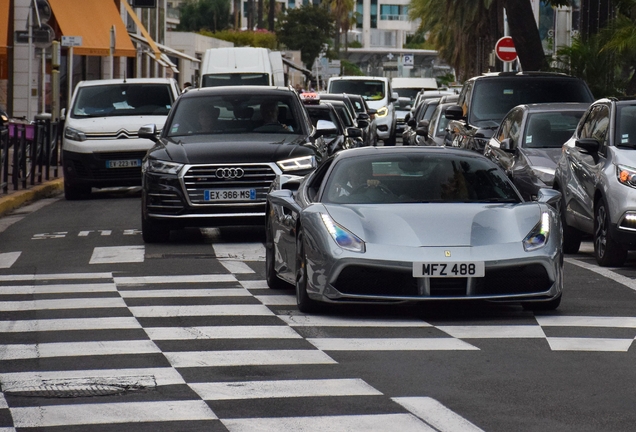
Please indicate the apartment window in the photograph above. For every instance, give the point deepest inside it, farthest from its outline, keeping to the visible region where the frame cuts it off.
(360, 13)
(394, 13)
(374, 13)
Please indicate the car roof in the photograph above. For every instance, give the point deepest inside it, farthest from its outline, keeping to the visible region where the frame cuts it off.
(368, 151)
(238, 90)
(496, 75)
(559, 106)
(89, 83)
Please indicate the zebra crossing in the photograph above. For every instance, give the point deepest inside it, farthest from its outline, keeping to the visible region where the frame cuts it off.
(165, 350)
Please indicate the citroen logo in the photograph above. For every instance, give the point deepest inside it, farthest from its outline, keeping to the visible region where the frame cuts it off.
(229, 173)
(447, 253)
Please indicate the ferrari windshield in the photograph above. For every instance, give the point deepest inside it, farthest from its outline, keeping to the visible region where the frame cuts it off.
(418, 178)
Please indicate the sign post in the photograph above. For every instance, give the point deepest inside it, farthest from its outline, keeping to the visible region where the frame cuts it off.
(505, 49)
(70, 42)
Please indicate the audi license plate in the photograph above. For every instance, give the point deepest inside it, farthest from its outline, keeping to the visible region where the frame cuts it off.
(449, 269)
(124, 163)
(229, 195)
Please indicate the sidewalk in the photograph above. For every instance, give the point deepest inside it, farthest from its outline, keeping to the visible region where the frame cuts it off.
(15, 199)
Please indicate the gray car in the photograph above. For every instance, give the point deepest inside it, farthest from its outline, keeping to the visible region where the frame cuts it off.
(409, 224)
(597, 177)
(528, 143)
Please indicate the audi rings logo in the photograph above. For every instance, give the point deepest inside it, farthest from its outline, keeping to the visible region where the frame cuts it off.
(229, 173)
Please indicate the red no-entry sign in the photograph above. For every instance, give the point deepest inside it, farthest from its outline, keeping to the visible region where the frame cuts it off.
(505, 49)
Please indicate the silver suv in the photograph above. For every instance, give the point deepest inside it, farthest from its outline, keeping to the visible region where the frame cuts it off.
(597, 177)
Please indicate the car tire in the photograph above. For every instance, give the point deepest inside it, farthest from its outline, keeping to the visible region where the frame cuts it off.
(74, 193)
(549, 305)
(390, 141)
(304, 303)
(273, 281)
(607, 251)
(571, 236)
(153, 232)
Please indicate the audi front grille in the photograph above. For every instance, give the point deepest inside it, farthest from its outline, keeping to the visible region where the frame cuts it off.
(201, 178)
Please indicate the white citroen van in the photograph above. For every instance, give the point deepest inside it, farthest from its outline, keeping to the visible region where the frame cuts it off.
(241, 66)
(100, 146)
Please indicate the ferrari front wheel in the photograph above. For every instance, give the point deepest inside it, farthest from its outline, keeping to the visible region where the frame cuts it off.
(304, 303)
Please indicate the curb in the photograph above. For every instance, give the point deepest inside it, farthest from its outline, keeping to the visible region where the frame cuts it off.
(17, 199)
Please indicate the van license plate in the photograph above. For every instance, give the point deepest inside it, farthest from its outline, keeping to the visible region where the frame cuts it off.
(124, 163)
(449, 269)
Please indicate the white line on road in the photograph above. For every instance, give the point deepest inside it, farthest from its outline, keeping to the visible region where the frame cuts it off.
(393, 344)
(254, 284)
(236, 267)
(203, 310)
(76, 349)
(283, 389)
(175, 293)
(81, 303)
(367, 423)
(247, 358)
(203, 278)
(608, 273)
(589, 344)
(117, 254)
(161, 376)
(222, 332)
(105, 413)
(436, 414)
(327, 321)
(490, 332)
(240, 251)
(58, 288)
(584, 321)
(69, 324)
(58, 276)
(277, 300)
(7, 259)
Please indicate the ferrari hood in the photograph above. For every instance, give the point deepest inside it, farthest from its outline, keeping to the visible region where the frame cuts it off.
(417, 225)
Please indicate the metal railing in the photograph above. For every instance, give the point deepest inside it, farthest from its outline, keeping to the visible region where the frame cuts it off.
(29, 153)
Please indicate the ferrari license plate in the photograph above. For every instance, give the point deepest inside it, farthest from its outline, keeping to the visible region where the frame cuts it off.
(230, 195)
(449, 269)
(124, 163)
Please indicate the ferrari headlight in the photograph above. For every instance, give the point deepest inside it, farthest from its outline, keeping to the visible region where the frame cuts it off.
(297, 164)
(382, 112)
(160, 167)
(626, 175)
(344, 238)
(545, 174)
(74, 134)
(538, 237)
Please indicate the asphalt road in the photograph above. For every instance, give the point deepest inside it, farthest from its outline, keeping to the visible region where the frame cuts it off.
(100, 332)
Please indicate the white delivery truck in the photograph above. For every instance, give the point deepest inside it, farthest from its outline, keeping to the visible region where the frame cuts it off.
(410, 87)
(241, 66)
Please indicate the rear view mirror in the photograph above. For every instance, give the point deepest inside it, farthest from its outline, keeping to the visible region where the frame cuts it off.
(325, 127)
(363, 123)
(148, 131)
(507, 145)
(353, 132)
(454, 112)
(588, 145)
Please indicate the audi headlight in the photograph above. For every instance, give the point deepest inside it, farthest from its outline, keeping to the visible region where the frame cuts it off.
(382, 112)
(297, 164)
(538, 237)
(160, 167)
(74, 134)
(626, 175)
(545, 174)
(343, 237)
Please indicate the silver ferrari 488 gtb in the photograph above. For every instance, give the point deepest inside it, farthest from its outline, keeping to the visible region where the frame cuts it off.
(405, 224)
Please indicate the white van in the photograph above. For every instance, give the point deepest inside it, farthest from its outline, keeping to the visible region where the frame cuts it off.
(100, 146)
(410, 87)
(241, 66)
(377, 92)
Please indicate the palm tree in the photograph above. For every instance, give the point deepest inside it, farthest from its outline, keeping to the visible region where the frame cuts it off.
(341, 11)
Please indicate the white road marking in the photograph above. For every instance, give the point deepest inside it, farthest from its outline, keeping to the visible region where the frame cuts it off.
(161, 376)
(175, 293)
(3, 402)
(46, 236)
(236, 267)
(277, 300)
(7, 259)
(605, 272)
(390, 344)
(117, 254)
(105, 413)
(204, 278)
(327, 321)
(59, 288)
(204, 310)
(367, 423)
(69, 324)
(493, 332)
(283, 389)
(589, 344)
(105, 232)
(254, 284)
(59, 276)
(78, 303)
(583, 321)
(222, 332)
(436, 414)
(132, 232)
(184, 359)
(240, 251)
(76, 349)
